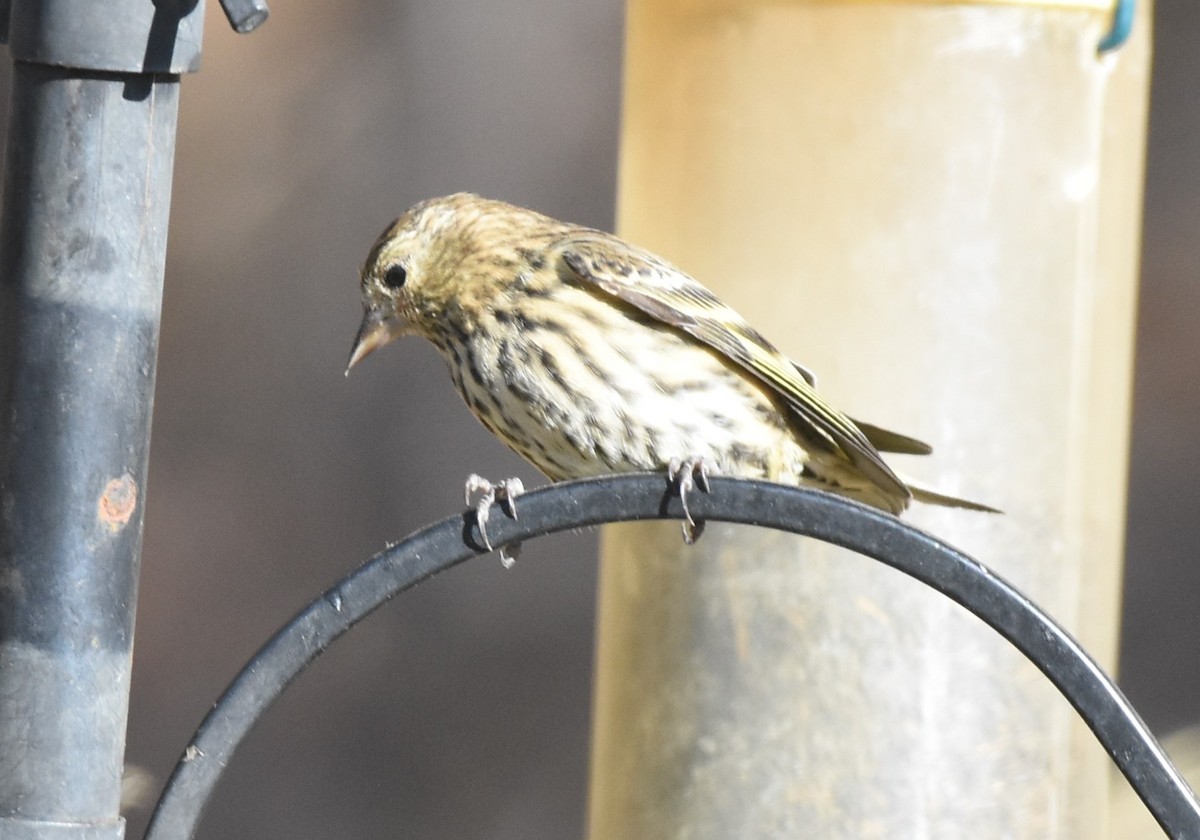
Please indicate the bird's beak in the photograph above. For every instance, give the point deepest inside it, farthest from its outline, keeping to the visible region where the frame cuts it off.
(376, 330)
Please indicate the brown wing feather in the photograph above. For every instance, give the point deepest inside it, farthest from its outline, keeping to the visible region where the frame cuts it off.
(666, 293)
(888, 441)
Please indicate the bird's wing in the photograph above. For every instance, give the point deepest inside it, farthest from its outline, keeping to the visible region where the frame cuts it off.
(888, 441)
(808, 375)
(666, 293)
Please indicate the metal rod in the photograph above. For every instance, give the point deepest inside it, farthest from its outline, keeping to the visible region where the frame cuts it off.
(82, 246)
(592, 502)
(87, 188)
(83, 241)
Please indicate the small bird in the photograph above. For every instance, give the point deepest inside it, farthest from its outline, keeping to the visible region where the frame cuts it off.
(587, 355)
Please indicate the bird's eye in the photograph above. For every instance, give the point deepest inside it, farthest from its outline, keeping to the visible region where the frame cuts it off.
(395, 277)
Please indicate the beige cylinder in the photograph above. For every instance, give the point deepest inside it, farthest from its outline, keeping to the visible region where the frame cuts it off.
(936, 208)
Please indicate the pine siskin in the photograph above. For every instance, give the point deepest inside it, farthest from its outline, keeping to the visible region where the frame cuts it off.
(588, 355)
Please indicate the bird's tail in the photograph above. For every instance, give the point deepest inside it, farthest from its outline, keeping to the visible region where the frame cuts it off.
(932, 497)
(888, 441)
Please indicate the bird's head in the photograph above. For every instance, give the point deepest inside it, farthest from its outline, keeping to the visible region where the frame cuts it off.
(456, 254)
(410, 272)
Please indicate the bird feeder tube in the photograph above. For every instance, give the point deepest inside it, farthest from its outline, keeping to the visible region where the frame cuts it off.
(935, 208)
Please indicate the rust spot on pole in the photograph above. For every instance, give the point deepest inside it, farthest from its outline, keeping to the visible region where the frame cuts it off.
(118, 502)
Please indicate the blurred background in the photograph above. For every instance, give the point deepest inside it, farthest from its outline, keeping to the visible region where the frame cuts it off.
(461, 709)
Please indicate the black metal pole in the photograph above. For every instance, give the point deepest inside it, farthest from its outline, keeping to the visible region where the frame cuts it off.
(87, 183)
(82, 245)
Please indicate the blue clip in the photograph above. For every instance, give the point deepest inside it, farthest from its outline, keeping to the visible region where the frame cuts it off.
(1122, 24)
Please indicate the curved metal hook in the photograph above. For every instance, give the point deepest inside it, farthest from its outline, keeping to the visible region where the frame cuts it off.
(632, 497)
(1122, 25)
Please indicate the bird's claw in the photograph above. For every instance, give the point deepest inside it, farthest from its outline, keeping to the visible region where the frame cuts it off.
(505, 492)
(686, 475)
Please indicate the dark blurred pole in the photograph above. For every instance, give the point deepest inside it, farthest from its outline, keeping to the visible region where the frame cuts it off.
(87, 184)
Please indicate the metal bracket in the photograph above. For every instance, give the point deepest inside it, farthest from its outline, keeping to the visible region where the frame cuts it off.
(133, 36)
(245, 15)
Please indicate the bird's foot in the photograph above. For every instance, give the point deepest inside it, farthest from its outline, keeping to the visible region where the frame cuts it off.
(686, 475)
(505, 492)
